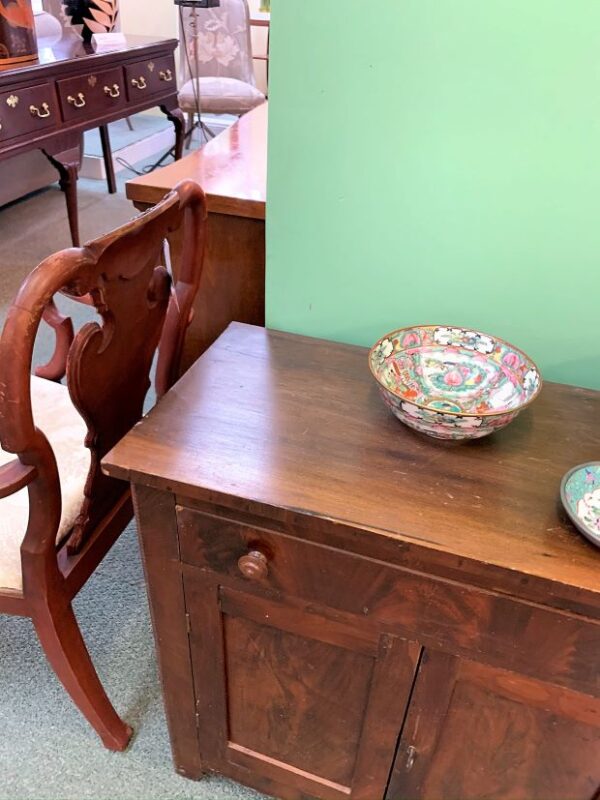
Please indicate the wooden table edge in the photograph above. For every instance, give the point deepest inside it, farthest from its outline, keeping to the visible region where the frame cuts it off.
(581, 595)
(217, 204)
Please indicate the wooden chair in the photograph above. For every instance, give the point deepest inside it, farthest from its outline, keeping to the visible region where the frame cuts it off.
(59, 514)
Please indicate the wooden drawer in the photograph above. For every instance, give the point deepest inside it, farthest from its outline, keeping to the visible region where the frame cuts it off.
(86, 96)
(27, 110)
(439, 613)
(149, 77)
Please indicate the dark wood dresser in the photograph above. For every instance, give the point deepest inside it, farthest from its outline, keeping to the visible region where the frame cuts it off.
(346, 609)
(49, 103)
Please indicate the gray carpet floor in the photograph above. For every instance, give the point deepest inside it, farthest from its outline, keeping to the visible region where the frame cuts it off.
(47, 750)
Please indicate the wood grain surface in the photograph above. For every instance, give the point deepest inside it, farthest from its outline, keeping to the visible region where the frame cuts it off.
(371, 613)
(231, 168)
(293, 428)
(525, 739)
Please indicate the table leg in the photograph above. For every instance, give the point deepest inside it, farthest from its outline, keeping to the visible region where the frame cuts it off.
(108, 159)
(67, 161)
(175, 114)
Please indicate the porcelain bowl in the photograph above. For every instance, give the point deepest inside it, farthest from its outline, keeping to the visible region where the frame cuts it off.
(453, 383)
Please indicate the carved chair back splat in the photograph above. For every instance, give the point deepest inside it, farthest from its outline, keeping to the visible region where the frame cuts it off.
(107, 365)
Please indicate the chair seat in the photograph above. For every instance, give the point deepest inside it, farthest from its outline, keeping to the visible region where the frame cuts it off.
(56, 416)
(220, 96)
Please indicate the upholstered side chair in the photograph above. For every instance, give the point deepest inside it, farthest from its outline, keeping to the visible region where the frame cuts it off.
(217, 69)
(59, 515)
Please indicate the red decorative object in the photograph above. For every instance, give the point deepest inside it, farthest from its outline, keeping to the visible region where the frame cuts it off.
(17, 32)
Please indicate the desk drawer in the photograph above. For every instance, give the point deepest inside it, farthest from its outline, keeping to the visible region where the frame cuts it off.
(27, 110)
(437, 612)
(149, 77)
(87, 96)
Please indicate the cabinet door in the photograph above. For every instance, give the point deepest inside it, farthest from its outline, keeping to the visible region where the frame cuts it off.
(473, 732)
(294, 700)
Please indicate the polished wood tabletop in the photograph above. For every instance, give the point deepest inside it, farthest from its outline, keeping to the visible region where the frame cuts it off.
(231, 168)
(72, 48)
(267, 420)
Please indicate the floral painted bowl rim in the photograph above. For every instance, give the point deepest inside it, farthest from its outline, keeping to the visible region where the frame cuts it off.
(393, 334)
(583, 529)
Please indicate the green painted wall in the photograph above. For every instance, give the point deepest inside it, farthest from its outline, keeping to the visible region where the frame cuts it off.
(438, 161)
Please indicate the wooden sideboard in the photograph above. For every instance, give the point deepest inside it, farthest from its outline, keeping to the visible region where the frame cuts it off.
(344, 608)
(232, 170)
(48, 104)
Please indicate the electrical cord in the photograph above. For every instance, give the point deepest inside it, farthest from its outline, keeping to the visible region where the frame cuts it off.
(195, 80)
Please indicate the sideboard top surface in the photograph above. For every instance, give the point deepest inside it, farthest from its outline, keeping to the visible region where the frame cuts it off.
(280, 421)
(72, 48)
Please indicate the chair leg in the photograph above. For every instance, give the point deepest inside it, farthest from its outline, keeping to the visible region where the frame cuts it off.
(65, 649)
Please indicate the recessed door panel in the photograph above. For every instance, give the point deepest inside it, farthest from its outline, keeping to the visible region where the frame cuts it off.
(296, 695)
(474, 731)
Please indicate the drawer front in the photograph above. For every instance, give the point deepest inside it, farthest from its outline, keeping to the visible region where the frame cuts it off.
(149, 77)
(436, 612)
(87, 96)
(25, 111)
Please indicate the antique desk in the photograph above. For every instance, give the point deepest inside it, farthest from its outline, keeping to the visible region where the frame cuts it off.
(232, 170)
(48, 104)
(346, 609)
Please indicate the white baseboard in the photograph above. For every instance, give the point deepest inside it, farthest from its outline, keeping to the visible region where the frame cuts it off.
(153, 145)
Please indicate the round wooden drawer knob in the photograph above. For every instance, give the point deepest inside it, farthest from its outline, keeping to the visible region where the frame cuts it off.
(254, 565)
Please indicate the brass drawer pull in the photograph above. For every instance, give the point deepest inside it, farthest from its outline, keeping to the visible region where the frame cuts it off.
(254, 565)
(139, 83)
(113, 91)
(40, 113)
(78, 102)
(165, 75)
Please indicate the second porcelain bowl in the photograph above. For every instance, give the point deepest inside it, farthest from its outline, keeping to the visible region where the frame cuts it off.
(453, 383)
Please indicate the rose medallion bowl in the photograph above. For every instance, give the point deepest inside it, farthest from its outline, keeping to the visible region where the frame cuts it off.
(453, 383)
